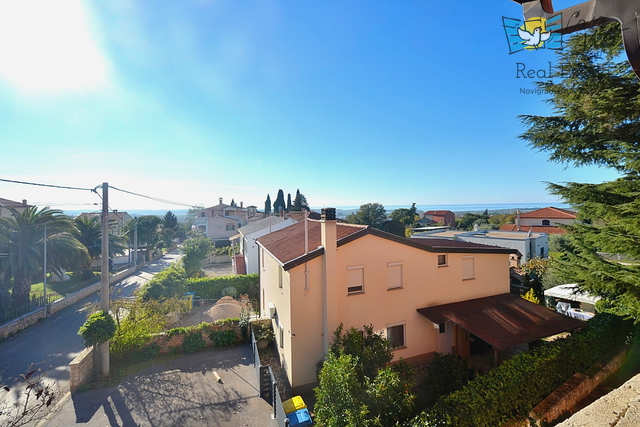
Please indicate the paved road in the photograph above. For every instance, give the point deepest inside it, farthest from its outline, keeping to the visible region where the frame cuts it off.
(56, 341)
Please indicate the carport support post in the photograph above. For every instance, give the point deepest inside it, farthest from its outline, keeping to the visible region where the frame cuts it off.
(104, 275)
(496, 357)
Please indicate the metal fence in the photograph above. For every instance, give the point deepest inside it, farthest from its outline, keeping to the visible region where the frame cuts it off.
(268, 386)
(36, 303)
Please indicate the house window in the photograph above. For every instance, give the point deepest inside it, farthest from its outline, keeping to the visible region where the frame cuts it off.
(281, 337)
(546, 222)
(280, 278)
(468, 272)
(231, 227)
(226, 213)
(442, 260)
(396, 337)
(355, 279)
(441, 328)
(394, 275)
(202, 214)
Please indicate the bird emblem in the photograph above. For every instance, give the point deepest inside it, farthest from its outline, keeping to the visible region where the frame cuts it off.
(533, 39)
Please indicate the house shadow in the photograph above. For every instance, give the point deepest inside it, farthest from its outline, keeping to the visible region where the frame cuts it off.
(179, 392)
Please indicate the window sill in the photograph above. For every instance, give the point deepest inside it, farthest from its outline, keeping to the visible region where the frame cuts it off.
(399, 348)
(395, 288)
(471, 278)
(355, 293)
(444, 265)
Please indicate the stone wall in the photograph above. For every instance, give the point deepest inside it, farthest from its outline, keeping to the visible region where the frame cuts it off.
(81, 369)
(576, 388)
(166, 342)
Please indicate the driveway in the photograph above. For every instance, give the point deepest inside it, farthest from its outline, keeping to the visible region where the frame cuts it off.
(183, 392)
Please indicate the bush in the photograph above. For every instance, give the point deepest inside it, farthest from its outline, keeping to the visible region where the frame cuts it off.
(97, 329)
(193, 342)
(224, 338)
(217, 287)
(263, 330)
(445, 374)
(169, 283)
(515, 387)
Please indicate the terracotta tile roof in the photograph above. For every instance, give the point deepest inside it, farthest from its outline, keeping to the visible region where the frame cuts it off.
(549, 229)
(7, 203)
(503, 321)
(287, 244)
(436, 212)
(550, 212)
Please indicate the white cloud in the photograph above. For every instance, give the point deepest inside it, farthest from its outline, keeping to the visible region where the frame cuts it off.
(50, 46)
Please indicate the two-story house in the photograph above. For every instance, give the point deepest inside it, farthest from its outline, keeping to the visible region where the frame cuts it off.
(443, 217)
(245, 240)
(6, 203)
(425, 296)
(221, 222)
(546, 220)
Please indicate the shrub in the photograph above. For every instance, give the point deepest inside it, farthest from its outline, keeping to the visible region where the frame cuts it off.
(168, 283)
(97, 329)
(263, 330)
(224, 338)
(515, 387)
(193, 342)
(217, 287)
(445, 374)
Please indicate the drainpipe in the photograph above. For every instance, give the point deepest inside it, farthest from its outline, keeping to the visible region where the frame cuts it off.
(305, 213)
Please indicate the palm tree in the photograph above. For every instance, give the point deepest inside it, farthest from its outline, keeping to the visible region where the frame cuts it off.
(22, 238)
(88, 231)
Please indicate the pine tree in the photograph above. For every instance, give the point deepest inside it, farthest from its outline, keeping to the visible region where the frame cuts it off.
(267, 206)
(300, 202)
(596, 121)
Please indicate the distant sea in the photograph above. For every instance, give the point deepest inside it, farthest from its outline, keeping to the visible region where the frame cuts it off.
(343, 211)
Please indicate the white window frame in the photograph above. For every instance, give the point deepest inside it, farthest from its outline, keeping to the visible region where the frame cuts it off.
(402, 324)
(358, 289)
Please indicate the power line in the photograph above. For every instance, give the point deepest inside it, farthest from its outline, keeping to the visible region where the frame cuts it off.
(47, 185)
(153, 198)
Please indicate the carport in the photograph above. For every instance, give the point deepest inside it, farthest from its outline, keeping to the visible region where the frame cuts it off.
(502, 321)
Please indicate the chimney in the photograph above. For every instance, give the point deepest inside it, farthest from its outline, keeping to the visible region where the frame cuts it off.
(220, 200)
(329, 239)
(24, 201)
(240, 204)
(517, 218)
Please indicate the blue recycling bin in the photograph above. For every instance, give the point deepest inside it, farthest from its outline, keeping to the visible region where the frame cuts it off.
(300, 418)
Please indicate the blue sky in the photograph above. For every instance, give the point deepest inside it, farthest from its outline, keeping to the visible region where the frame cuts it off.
(350, 102)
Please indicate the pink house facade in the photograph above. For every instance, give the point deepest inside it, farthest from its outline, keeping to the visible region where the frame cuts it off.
(315, 275)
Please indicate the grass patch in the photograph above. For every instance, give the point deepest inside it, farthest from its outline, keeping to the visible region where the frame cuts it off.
(62, 288)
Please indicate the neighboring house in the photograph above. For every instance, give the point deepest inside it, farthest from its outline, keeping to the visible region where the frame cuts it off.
(426, 296)
(246, 240)
(547, 220)
(117, 221)
(440, 217)
(221, 222)
(6, 203)
(528, 244)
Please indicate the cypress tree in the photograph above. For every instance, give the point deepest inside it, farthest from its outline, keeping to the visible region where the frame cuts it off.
(267, 206)
(279, 205)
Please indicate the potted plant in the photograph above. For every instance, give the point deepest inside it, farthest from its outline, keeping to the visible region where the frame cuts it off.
(263, 332)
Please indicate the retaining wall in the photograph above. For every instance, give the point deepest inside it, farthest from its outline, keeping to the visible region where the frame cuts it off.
(81, 369)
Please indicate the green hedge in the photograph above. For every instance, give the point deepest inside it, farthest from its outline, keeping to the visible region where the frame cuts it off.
(519, 384)
(218, 287)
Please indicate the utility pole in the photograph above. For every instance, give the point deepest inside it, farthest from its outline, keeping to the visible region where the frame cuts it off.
(135, 243)
(104, 275)
(44, 291)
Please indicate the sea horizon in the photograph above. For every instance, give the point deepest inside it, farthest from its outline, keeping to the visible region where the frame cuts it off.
(345, 210)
